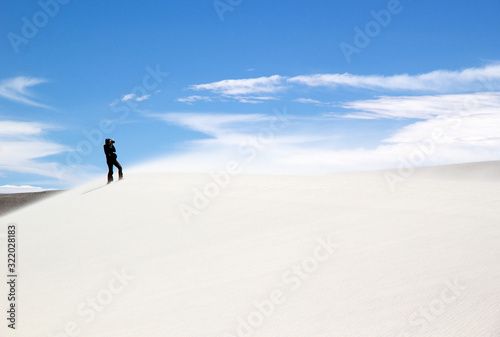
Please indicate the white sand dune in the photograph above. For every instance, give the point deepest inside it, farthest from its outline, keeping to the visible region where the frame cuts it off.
(268, 255)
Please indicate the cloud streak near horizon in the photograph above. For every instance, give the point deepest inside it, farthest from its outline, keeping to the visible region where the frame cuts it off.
(469, 125)
(23, 145)
(421, 107)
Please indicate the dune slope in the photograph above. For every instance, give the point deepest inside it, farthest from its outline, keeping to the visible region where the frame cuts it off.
(260, 255)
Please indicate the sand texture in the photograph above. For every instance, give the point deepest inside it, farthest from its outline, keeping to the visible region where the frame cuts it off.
(263, 255)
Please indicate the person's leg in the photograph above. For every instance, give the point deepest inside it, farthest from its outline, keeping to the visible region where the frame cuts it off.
(120, 171)
(110, 172)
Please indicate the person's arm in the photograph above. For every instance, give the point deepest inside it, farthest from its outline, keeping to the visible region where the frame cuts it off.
(112, 152)
(107, 151)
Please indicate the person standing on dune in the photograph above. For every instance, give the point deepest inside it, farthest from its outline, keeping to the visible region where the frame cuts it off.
(110, 151)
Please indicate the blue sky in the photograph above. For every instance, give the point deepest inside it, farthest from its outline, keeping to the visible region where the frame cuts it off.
(306, 86)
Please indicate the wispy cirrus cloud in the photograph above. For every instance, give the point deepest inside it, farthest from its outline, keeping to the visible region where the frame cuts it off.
(468, 126)
(20, 129)
(194, 98)
(311, 149)
(486, 78)
(466, 121)
(307, 101)
(251, 90)
(215, 125)
(254, 99)
(471, 79)
(26, 147)
(245, 90)
(16, 89)
(423, 107)
(22, 144)
(242, 99)
(313, 102)
(461, 106)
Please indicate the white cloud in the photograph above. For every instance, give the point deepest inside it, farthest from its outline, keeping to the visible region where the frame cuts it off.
(422, 107)
(16, 89)
(472, 79)
(143, 98)
(21, 189)
(10, 128)
(467, 123)
(22, 145)
(486, 78)
(307, 101)
(128, 97)
(253, 99)
(194, 98)
(477, 127)
(250, 86)
(215, 125)
(467, 126)
(21, 156)
(241, 99)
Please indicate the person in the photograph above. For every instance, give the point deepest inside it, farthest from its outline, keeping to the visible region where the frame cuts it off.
(110, 152)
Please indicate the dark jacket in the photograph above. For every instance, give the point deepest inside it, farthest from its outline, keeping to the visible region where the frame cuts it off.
(109, 150)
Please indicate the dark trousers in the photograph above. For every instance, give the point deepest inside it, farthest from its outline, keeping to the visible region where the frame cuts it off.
(110, 168)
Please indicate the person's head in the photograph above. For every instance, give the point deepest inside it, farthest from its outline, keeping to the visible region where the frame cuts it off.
(109, 141)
